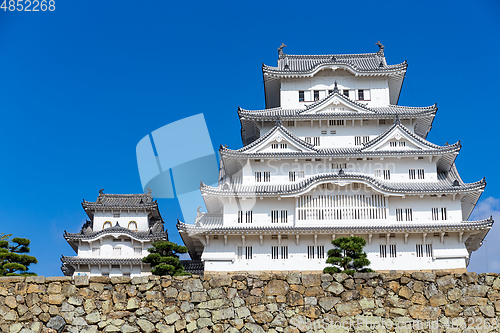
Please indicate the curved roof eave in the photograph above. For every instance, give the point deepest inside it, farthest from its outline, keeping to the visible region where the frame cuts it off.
(408, 227)
(310, 183)
(392, 69)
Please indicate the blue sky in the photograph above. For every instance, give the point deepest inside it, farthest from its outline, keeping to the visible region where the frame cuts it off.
(80, 86)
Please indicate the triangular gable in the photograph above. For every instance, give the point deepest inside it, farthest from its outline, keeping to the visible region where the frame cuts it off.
(401, 139)
(280, 136)
(336, 103)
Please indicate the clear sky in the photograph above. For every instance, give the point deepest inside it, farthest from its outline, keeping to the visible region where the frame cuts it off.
(80, 86)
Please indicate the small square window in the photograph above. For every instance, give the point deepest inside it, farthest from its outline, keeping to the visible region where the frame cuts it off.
(346, 93)
(361, 95)
(301, 96)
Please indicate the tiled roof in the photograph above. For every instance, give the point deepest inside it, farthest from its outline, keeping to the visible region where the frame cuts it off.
(372, 112)
(101, 261)
(340, 152)
(122, 201)
(279, 126)
(142, 235)
(371, 227)
(361, 63)
(193, 266)
(445, 184)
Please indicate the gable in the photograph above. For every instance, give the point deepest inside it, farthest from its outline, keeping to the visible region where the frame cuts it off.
(398, 139)
(336, 104)
(280, 141)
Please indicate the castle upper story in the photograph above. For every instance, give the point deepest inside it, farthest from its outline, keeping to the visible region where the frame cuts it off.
(300, 80)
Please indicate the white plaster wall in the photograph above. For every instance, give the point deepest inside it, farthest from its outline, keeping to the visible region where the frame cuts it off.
(399, 169)
(344, 135)
(261, 210)
(140, 217)
(289, 94)
(134, 271)
(106, 248)
(297, 254)
(422, 207)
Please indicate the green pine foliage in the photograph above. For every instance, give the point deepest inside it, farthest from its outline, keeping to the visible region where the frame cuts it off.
(347, 256)
(164, 258)
(14, 259)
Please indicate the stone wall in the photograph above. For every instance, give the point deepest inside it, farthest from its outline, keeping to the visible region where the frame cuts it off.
(267, 302)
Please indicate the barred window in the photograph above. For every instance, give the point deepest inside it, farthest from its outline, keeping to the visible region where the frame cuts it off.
(316, 95)
(310, 252)
(392, 249)
(258, 177)
(420, 250)
(439, 213)
(399, 214)
(245, 216)
(357, 140)
(244, 252)
(284, 252)
(267, 176)
(307, 139)
(316, 141)
(274, 252)
(320, 250)
(421, 174)
(336, 122)
(383, 251)
(428, 250)
(366, 138)
(301, 96)
(387, 174)
(411, 173)
(409, 214)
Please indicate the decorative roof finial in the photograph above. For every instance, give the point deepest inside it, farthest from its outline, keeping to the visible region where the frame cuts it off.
(101, 191)
(380, 46)
(278, 121)
(149, 190)
(396, 120)
(335, 88)
(280, 49)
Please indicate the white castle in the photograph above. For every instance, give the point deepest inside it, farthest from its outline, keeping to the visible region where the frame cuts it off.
(333, 155)
(116, 238)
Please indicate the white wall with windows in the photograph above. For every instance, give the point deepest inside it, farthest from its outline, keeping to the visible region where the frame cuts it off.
(110, 247)
(339, 133)
(114, 270)
(285, 170)
(310, 253)
(376, 89)
(131, 219)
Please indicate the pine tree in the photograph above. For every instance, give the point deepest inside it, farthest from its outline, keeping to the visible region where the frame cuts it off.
(4, 236)
(347, 256)
(164, 258)
(13, 257)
